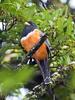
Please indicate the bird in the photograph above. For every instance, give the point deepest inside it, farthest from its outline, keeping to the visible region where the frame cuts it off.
(29, 38)
(42, 3)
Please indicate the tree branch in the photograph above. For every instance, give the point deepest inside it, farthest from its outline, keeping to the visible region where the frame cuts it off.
(56, 79)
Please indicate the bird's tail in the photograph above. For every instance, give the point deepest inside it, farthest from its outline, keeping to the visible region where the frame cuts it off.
(44, 70)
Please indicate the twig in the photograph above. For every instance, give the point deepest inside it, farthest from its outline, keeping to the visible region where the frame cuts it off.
(12, 23)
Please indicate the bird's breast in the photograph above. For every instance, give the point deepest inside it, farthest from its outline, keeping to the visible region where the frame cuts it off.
(31, 40)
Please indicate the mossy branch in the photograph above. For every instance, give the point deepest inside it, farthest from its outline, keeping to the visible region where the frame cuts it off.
(57, 78)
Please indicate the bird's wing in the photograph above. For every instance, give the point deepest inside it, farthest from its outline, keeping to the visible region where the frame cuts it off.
(46, 42)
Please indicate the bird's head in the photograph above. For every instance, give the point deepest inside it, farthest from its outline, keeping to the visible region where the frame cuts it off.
(29, 27)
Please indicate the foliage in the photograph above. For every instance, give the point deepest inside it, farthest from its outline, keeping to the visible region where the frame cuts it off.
(56, 23)
(11, 80)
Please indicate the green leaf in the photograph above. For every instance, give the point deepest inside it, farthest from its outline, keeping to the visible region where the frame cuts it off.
(10, 80)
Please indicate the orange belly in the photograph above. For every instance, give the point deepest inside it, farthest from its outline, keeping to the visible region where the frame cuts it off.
(41, 53)
(32, 40)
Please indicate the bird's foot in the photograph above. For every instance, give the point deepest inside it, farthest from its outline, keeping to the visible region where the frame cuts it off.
(47, 80)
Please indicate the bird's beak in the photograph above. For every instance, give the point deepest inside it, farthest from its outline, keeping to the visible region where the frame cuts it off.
(26, 23)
